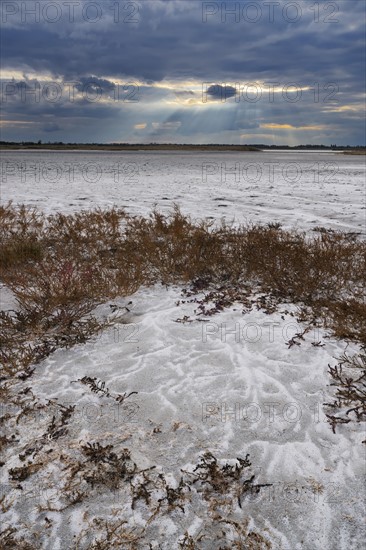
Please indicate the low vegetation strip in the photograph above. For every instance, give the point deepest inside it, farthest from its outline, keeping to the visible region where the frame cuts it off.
(59, 267)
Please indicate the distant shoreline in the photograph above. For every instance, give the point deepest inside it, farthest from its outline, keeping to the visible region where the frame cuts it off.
(6, 146)
(127, 147)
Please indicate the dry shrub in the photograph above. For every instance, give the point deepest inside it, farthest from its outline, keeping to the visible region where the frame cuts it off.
(61, 266)
(58, 268)
(85, 232)
(173, 249)
(115, 534)
(20, 232)
(349, 379)
(347, 319)
(327, 274)
(288, 263)
(9, 540)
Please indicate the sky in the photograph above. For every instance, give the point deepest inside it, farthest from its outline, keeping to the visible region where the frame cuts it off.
(183, 71)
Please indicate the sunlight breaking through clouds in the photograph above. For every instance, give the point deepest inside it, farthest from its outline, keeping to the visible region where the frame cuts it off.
(202, 78)
(274, 126)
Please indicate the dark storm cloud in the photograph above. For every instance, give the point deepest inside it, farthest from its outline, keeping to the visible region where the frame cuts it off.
(170, 37)
(181, 40)
(33, 96)
(98, 85)
(216, 91)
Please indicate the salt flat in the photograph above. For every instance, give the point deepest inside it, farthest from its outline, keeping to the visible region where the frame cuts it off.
(298, 189)
(230, 385)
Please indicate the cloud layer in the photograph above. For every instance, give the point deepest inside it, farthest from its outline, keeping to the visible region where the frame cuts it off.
(183, 71)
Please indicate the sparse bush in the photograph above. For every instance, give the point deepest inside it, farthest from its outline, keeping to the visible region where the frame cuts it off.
(349, 379)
